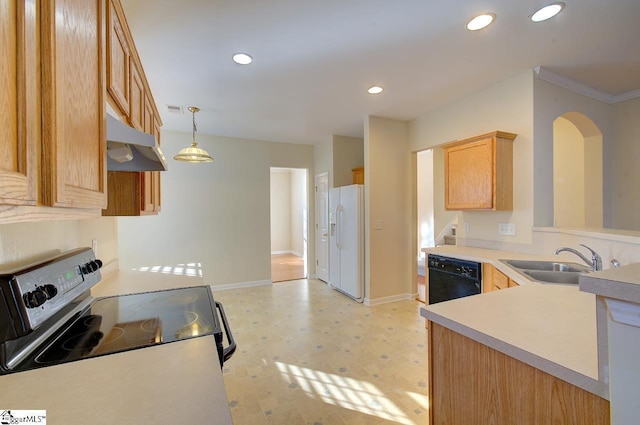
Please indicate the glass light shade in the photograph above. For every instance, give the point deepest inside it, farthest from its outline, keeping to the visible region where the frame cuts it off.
(193, 154)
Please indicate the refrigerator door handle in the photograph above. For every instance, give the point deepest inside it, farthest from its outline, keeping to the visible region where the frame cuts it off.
(339, 235)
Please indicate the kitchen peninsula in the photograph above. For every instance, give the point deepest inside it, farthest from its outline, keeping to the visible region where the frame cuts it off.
(525, 355)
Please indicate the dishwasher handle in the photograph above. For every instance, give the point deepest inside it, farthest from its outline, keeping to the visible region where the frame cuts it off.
(227, 352)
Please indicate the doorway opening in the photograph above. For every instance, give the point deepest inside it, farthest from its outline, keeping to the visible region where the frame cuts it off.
(425, 205)
(289, 223)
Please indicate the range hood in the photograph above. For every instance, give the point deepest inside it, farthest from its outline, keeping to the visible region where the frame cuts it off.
(129, 149)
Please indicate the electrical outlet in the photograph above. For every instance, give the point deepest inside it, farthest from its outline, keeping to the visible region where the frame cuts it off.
(507, 229)
(94, 246)
(467, 228)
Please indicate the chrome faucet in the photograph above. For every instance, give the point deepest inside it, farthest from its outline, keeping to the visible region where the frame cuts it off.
(595, 263)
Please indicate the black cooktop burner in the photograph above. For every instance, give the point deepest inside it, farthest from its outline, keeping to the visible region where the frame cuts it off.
(120, 323)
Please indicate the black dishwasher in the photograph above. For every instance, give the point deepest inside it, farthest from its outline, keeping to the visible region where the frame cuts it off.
(451, 278)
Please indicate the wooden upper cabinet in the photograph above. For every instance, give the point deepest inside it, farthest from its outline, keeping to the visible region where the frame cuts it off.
(130, 193)
(73, 103)
(118, 61)
(19, 114)
(479, 173)
(136, 98)
(358, 175)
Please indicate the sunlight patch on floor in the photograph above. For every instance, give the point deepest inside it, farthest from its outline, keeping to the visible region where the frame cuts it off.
(190, 269)
(421, 399)
(345, 392)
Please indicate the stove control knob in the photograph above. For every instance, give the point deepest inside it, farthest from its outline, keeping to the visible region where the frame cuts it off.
(91, 266)
(35, 298)
(50, 290)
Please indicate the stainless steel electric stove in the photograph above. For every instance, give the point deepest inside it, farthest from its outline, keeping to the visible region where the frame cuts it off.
(49, 317)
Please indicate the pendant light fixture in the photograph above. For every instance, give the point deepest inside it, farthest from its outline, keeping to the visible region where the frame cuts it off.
(193, 153)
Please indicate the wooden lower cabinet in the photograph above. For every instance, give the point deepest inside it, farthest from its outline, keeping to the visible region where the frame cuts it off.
(470, 383)
(494, 280)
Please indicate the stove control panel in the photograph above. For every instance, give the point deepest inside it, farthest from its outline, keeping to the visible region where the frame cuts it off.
(43, 289)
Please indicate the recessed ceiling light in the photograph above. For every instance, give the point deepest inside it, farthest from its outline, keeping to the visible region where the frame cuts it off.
(481, 21)
(375, 90)
(242, 58)
(547, 12)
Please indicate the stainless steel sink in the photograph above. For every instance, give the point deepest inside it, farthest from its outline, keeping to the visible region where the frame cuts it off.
(549, 271)
(554, 276)
(547, 266)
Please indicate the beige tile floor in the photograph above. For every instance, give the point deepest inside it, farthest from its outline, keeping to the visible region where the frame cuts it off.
(309, 355)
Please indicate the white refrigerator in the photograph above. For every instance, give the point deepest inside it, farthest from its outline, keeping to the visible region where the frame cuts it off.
(346, 240)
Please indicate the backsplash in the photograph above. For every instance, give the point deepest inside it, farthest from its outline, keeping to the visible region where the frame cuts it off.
(623, 246)
(26, 242)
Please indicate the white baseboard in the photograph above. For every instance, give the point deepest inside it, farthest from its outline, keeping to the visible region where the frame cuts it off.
(297, 254)
(389, 299)
(240, 285)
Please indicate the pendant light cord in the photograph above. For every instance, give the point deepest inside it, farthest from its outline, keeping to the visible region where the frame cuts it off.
(194, 125)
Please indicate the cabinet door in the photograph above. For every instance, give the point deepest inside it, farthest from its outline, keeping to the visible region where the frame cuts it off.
(469, 173)
(118, 61)
(471, 383)
(149, 178)
(136, 99)
(73, 103)
(157, 201)
(19, 117)
(494, 280)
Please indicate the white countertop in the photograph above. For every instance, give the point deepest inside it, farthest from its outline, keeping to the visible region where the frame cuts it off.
(492, 256)
(621, 283)
(550, 327)
(119, 282)
(164, 384)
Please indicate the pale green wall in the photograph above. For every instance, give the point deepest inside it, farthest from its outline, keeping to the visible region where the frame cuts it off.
(623, 193)
(506, 106)
(388, 192)
(216, 214)
(549, 103)
(323, 159)
(348, 153)
(23, 241)
(568, 174)
(280, 186)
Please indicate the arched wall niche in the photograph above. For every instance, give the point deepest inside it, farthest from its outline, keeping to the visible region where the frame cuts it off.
(577, 172)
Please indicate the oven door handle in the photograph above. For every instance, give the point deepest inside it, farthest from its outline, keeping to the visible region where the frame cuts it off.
(228, 351)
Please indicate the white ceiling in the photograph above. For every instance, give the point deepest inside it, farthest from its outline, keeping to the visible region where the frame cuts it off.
(314, 59)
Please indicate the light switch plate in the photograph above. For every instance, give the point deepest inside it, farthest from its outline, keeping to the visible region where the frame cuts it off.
(507, 229)
(467, 227)
(377, 225)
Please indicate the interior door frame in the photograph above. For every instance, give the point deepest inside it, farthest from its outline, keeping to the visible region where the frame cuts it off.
(322, 236)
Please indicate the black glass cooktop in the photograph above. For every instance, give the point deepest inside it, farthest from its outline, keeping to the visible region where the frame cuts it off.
(126, 322)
